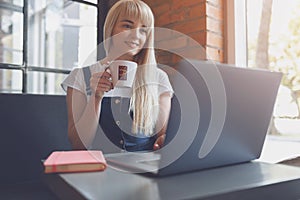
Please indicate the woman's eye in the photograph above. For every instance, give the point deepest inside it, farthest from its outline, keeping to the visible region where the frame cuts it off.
(127, 26)
(143, 30)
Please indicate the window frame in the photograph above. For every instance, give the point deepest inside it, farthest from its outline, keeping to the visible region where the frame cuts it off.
(236, 32)
(102, 7)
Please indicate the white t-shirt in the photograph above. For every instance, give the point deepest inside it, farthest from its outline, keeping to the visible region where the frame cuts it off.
(76, 80)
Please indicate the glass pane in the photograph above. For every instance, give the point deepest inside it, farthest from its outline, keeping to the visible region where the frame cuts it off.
(11, 36)
(45, 83)
(61, 33)
(274, 44)
(13, 2)
(10, 81)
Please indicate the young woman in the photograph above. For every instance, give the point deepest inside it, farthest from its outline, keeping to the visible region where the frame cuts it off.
(145, 108)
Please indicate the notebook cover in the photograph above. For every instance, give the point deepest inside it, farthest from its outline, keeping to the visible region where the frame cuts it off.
(75, 161)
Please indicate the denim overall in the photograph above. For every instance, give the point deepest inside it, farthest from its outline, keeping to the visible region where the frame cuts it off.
(115, 122)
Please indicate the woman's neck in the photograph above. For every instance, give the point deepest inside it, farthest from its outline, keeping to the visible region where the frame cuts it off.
(116, 56)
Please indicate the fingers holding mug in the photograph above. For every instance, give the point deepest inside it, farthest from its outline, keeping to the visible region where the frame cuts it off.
(101, 82)
(105, 83)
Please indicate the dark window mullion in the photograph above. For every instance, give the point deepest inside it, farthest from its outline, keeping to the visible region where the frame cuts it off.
(102, 12)
(10, 66)
(47, 69)
(25, 46)
(34, 68)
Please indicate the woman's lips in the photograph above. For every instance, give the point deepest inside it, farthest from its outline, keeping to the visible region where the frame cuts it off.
(132, 44)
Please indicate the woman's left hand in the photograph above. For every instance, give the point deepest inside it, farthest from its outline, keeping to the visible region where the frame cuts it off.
(159, 142)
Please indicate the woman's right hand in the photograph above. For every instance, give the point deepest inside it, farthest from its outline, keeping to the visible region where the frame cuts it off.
(101, 82)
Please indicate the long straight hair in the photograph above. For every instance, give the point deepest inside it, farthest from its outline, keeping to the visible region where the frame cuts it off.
(145, 101)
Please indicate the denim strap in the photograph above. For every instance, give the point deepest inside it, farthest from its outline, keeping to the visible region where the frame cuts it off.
(87, 76)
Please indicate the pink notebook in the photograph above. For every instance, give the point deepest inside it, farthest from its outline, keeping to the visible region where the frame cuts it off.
(75, 161)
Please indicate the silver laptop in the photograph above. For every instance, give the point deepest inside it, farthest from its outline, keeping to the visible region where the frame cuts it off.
(220, 116)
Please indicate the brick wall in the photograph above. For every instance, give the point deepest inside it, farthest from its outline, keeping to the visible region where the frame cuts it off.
(194, 29)
(198, 22)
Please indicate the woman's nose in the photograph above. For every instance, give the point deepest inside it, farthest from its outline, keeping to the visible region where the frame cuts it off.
(135, 33)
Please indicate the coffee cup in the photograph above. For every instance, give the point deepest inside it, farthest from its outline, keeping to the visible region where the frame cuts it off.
(123, 73)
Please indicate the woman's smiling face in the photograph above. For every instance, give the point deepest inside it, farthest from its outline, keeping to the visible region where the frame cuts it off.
(129, 37)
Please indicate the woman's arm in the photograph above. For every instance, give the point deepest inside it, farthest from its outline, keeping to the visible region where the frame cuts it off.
(163, 118)
(83, 114)
(83, 118)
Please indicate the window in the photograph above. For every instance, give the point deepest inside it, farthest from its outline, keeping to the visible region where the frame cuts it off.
(11, 41)
(41, 43)
(267, 36)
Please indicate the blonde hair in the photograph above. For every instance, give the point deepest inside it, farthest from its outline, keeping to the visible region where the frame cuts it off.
(144, 101)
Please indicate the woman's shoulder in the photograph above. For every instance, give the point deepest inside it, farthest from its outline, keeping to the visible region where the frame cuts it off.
(93, 65)
(97, 67)
(93, 68)
(161, 73)
(164, 74)
(164, 81)
(75, 72)
(76, 78)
